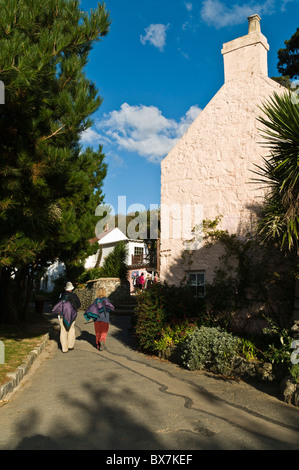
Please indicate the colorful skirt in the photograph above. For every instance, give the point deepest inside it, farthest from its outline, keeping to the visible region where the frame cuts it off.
(101, 329)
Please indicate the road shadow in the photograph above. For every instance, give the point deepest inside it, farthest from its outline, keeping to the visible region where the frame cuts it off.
(123, 331)
(120, 329)
(104, 424)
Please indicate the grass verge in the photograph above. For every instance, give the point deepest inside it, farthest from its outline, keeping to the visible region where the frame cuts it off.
(19, 341)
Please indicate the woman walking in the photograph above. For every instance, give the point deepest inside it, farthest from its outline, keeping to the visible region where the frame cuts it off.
(99, 312)
(66, 309)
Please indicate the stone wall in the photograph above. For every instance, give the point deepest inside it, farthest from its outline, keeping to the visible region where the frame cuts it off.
(117, 290)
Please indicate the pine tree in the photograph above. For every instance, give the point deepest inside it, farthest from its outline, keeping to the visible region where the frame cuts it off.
(288, 57)
(49, 186)
(115, 263)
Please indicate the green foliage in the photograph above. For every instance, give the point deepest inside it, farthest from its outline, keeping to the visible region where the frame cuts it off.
(49, 185)
(253, 280)
(59, 285)
(199, 341)
(164, 315)
(279, 172)
(252, 288)
(213, 348)
(288, 64)
(150, 318)
(210, 348)
(115, 263)
(174, 333)
(248, 349)
(114, 266)
(294, 372)
(89, 275)
(278, 349)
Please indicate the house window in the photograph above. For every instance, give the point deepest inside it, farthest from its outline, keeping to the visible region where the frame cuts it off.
(137, 258)
(196, 280)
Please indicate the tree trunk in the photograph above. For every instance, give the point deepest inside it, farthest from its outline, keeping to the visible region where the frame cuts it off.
(99, 257)
(23, 286)
(8, 310)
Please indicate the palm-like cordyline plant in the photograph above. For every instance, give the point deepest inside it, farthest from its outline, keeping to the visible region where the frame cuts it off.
(280, 173)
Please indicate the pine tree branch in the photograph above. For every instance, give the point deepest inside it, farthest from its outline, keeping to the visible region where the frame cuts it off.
(52, 135)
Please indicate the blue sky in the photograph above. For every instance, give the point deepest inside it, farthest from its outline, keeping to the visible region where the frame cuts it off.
(158, 67)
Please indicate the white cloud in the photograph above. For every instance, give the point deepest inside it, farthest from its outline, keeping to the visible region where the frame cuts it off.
(216, 13)
(144, 130)
(188, 5)
(284, 4)
(192, 22)
(90, 137)
(184, 54)
(190, 116)
(155, 34)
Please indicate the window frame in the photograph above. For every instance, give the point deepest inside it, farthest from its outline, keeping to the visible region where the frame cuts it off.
(138, 250)
(199, 285)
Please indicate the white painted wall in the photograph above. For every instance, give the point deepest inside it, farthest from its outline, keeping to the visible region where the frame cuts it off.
(212, 164)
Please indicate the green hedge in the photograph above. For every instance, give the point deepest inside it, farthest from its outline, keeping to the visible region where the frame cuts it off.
(169, 320)
(164, 316)
(210, 348)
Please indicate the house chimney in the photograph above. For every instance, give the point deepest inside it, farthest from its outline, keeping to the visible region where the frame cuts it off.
(247, 55)
(254, 23)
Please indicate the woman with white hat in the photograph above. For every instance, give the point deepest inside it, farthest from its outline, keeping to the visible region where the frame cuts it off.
(67, 321)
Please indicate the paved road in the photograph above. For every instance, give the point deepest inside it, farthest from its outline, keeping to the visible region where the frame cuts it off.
(120, 399)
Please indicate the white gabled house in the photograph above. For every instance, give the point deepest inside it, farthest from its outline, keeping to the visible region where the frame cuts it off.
(137, 249)
(138, 259)
(106, 241)
(211, 166)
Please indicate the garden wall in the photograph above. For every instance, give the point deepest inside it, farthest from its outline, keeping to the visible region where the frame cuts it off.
(117, 290)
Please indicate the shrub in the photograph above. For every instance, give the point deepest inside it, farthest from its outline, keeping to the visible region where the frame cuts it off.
(174, 333)
(294, 371)
(248, 349)
(114, 266)
(163, 315)
(90, 274)
(115, 263)
(279, 349)
(150, 318)
(210, 348)
(251, 277)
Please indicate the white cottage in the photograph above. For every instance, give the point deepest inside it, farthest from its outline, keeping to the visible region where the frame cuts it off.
(209, 171)
(137, 257)
(136, 249)
(106, 241)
